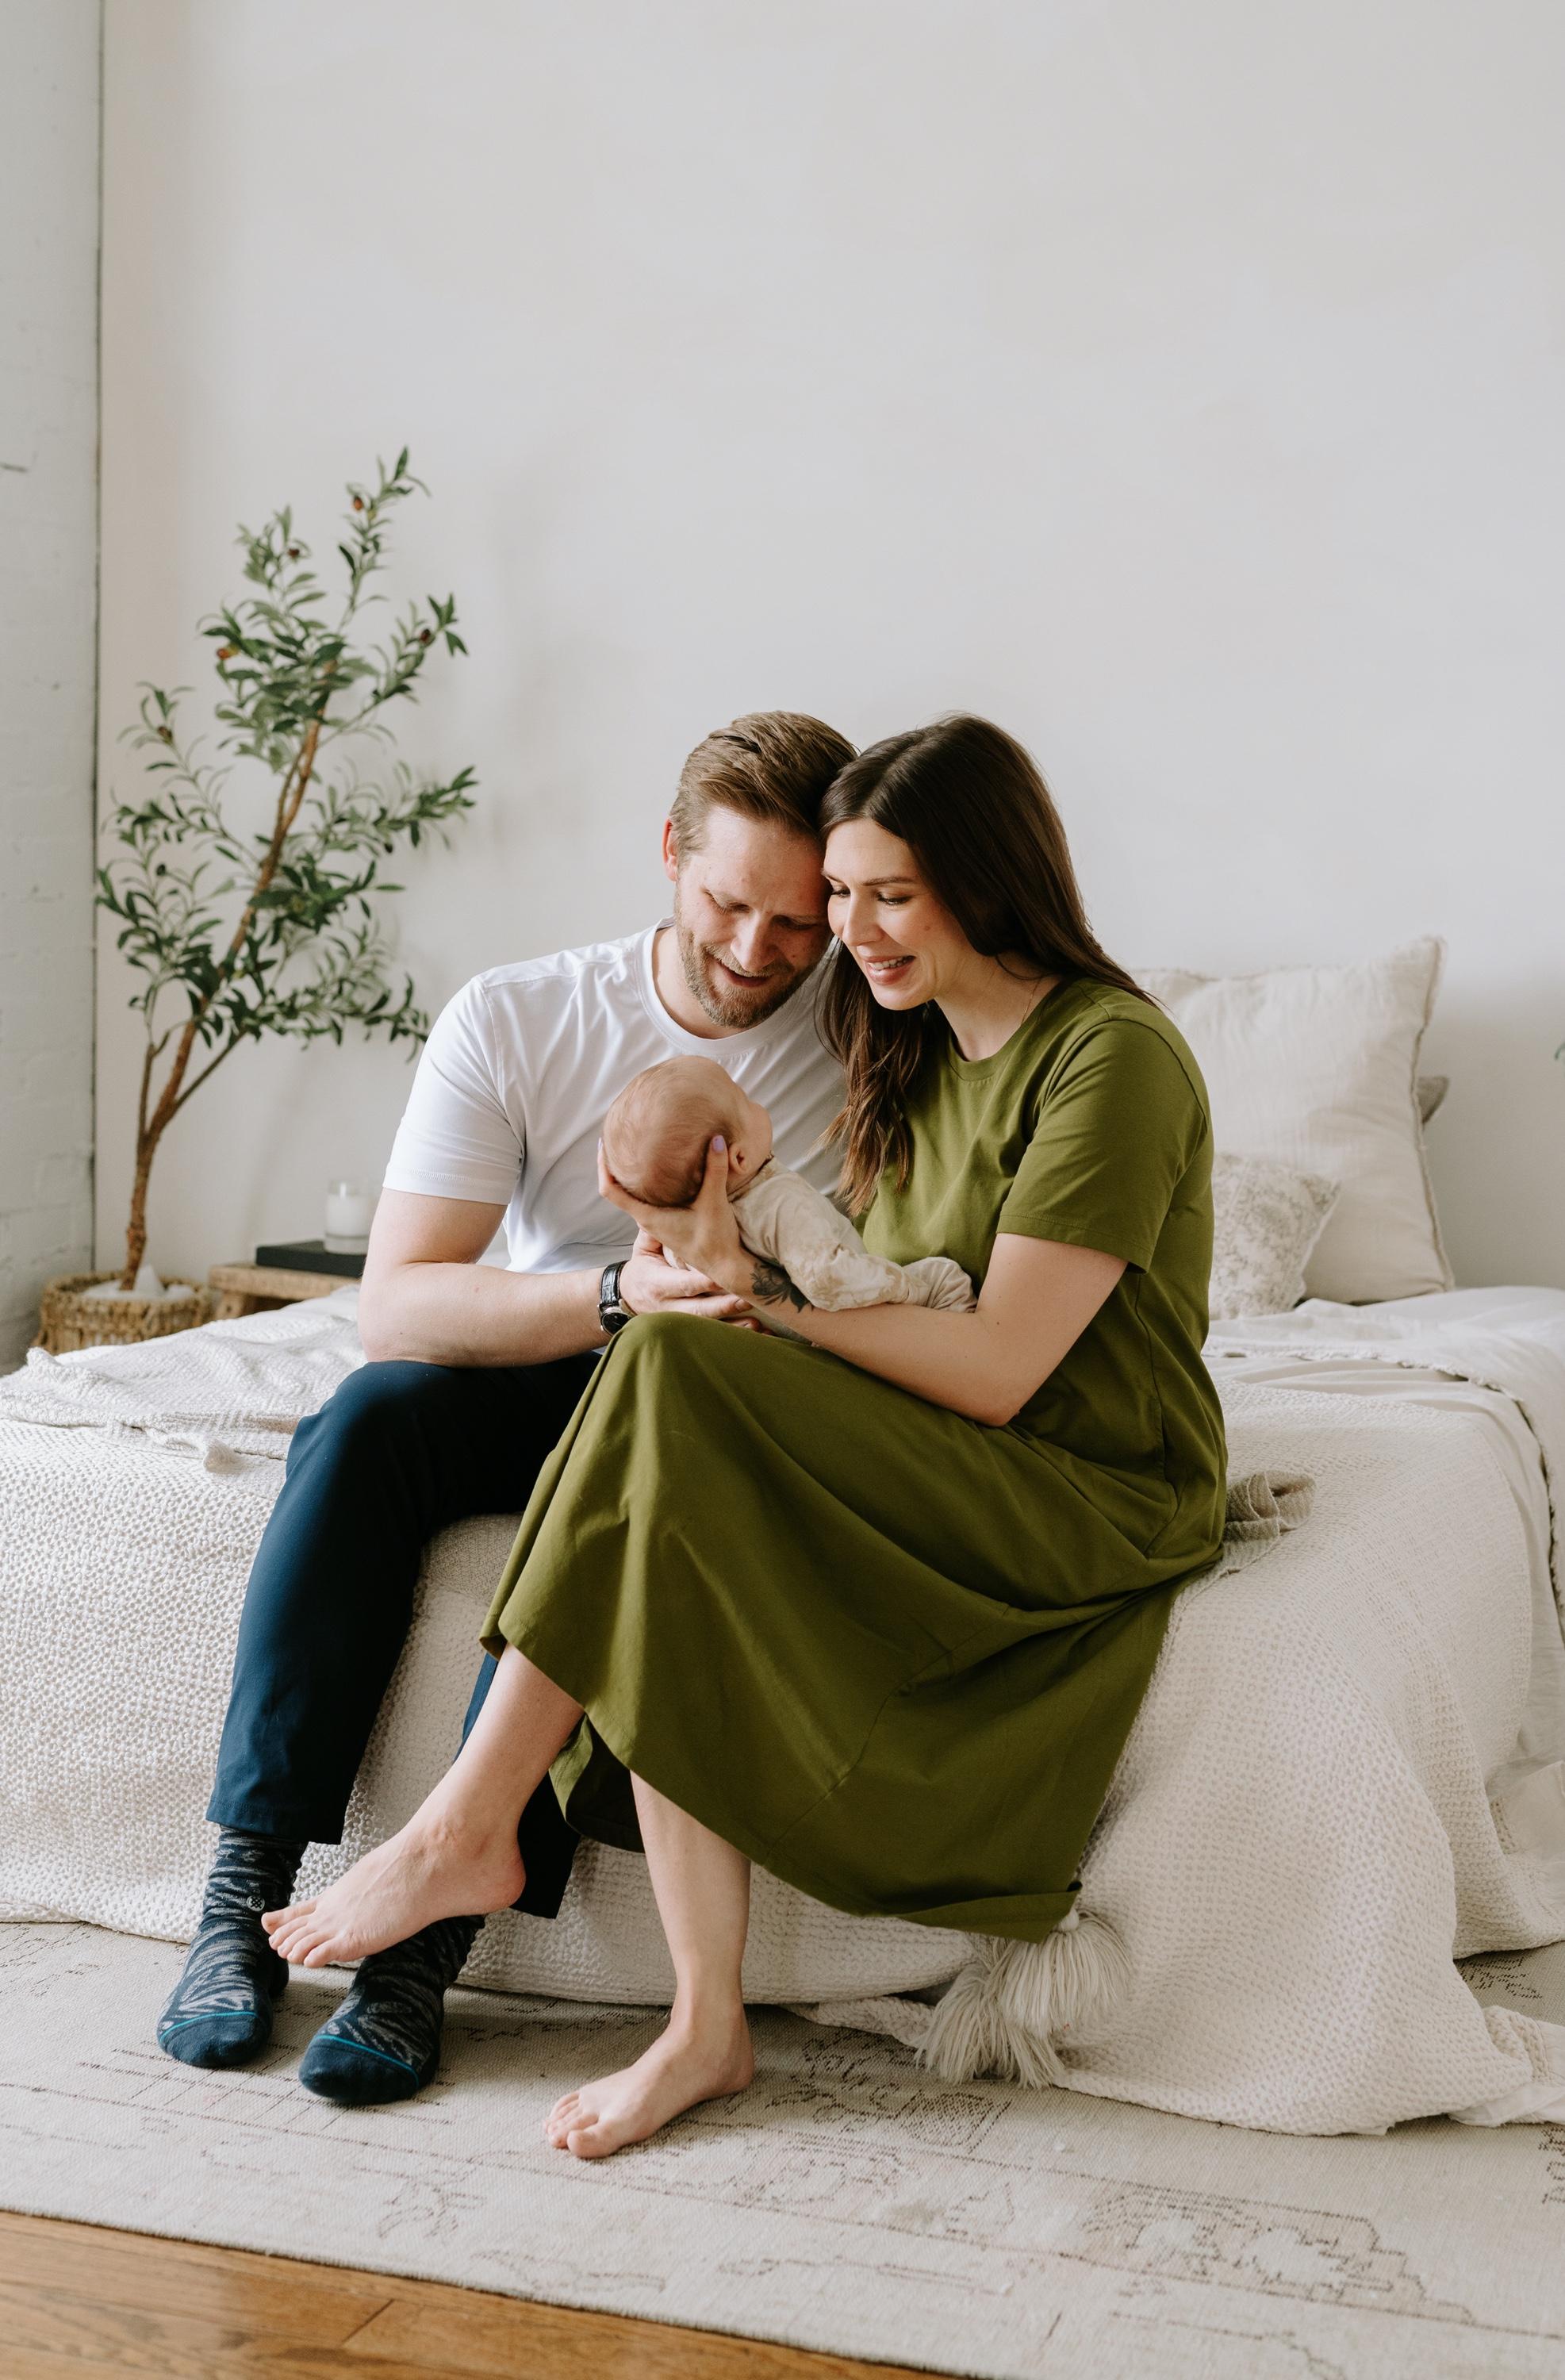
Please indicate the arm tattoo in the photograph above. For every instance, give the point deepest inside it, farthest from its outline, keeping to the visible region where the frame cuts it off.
(770, 1285)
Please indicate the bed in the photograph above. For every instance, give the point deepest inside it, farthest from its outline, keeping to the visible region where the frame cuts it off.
(1348, 1774)
(1300, 1841)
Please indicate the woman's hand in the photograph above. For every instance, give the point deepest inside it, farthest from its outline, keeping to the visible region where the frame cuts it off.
(704, 1238)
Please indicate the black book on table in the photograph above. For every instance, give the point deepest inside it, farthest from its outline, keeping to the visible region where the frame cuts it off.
(310, 1256)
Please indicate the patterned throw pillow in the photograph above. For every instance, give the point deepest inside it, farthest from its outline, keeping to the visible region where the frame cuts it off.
(1268, 1219)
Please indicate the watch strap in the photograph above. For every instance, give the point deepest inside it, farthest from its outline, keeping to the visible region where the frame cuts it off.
(613, 1311)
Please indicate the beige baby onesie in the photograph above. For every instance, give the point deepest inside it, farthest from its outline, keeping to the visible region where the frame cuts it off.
(784, 1217)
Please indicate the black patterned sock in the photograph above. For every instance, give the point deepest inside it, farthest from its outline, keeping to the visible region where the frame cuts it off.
(220, 2011)
(383, 2042)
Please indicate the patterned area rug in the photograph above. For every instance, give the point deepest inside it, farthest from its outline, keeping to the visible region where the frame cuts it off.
(846, 2200)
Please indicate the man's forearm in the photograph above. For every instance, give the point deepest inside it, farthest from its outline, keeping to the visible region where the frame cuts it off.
(477, 1313)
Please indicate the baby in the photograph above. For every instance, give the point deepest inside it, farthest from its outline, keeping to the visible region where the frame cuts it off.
(655, 1140)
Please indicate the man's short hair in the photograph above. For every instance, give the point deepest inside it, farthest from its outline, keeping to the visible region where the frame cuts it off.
(773, 766)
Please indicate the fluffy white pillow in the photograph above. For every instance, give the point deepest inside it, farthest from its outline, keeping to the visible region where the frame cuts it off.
(1268, 1218)
(1317, 1069)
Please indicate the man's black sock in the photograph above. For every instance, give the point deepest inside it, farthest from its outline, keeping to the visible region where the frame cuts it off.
(383, 2042)
(219, 2011)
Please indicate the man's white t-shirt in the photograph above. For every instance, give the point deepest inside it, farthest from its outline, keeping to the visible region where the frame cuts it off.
(518, 1073)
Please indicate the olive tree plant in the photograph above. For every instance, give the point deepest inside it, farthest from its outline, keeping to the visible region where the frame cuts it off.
(249, 916)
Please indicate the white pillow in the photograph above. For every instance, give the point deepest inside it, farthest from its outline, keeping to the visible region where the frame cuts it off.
(1317, 1069)
(1268, 1218)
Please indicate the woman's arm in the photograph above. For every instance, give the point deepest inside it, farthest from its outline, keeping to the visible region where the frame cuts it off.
(1038, 1298)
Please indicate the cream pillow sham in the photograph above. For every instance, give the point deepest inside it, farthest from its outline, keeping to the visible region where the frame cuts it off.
(1317, 1069)
(1267, 1220)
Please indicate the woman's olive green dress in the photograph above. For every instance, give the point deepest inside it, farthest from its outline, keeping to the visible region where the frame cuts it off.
(892, 1654)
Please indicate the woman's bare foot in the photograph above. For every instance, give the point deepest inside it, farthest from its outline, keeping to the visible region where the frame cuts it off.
(434, 1868)
(684, 2066)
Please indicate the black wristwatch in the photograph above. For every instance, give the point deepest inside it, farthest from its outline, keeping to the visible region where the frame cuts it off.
(613, 1311)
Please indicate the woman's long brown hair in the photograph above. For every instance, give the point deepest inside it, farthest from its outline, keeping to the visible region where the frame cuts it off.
(973, 809)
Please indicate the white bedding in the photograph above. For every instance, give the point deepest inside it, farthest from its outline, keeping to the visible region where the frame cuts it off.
(1365, 1351)
(1503, 1426)
(1296, 1844)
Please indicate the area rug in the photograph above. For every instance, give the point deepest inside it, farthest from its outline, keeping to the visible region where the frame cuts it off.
(845, 2202)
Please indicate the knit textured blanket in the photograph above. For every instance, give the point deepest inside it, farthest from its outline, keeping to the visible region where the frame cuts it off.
(1296, 1844)
(227, 1393)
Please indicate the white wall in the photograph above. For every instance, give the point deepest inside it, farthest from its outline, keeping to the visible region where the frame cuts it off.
(49, 56)
(1183, 386)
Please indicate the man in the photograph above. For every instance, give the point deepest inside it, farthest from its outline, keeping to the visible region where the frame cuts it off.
(474, 1370)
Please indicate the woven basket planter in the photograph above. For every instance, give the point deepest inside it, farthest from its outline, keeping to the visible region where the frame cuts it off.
(67, 1319)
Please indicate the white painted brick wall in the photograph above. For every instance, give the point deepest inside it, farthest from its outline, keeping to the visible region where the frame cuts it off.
(49, 145)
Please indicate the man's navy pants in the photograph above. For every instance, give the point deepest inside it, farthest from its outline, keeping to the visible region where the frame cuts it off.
(399, 1453)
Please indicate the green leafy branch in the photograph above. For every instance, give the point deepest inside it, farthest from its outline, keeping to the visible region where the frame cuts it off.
(303, 695)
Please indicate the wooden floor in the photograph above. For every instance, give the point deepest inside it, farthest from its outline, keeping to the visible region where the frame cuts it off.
(77, 2301)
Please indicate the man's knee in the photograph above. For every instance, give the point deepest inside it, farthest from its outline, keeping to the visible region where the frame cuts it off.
(375, 1409)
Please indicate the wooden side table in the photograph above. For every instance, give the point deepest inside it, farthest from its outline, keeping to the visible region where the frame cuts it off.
(240, 1289)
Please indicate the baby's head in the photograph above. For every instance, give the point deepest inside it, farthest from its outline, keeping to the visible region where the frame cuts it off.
(658, 1130)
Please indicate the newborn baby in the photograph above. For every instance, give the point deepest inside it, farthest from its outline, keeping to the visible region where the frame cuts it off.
(655, 1141)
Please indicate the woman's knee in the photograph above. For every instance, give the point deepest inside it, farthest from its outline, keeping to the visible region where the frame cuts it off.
(669, 1345)
(644, 1331)
(671, 1363)
(679, 1335)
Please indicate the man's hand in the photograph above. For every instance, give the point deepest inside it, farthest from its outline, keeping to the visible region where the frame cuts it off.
(653, 1282)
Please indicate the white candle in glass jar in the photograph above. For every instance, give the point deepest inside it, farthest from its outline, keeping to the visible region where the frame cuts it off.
(350, 1210)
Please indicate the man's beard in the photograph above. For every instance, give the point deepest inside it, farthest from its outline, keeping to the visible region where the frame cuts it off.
(729, 1004)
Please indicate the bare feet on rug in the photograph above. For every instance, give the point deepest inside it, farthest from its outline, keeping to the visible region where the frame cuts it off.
(431, 1869)
(682, 2067)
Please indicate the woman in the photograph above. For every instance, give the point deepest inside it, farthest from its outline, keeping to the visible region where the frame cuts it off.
(876, 1602)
